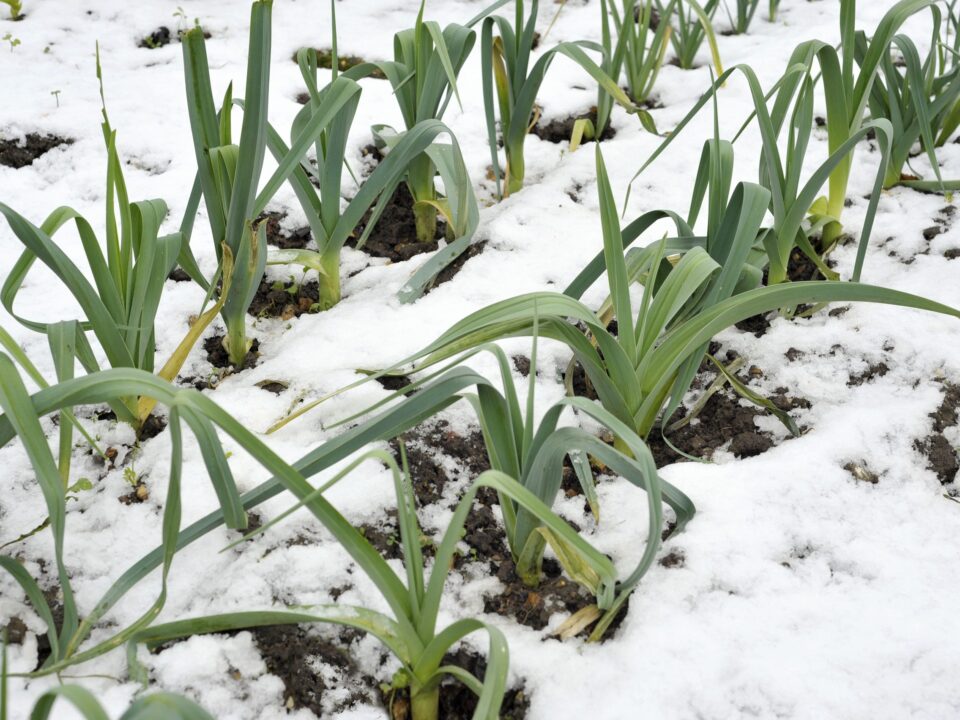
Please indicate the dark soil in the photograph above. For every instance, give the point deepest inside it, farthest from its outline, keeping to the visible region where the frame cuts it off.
(799, 268)
(582, 387)
(483, 530)
(217, 355)
(290, 652)
(944, 220)
(941, 455)
(458, 702)
(874, 371)
(157, 39)
(56, 609)
(673, 559)
(284, 300)
(163, 36)
(722, 420)
(16, 631)
(276, 236)
(560, 130)
(395, 234)
(451, 270)
(17, 154)
(152, 426)
(484, 534)
(424, 443)
(384, 536)
(534, 606)
(178, 274)
(394, 382)
(344, 62)
(521, 364)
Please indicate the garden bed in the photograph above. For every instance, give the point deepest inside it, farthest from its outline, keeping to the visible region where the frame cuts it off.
(818, 578)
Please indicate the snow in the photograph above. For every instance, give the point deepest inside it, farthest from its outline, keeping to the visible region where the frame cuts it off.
(803, 593)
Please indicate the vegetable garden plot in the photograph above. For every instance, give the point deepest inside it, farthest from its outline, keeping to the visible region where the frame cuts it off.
(363, 386)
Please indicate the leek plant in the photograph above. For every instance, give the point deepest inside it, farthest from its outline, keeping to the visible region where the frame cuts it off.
(533, 453)
(741, 19)
(772, 10)
(410, 629)
(647, 362)
(228, 174)
(732, 240)
(921, 100)
(505, 59)
(194, 407)
(644, 44)
(318, 189)
(847, 87)
(798, 213)
(22, 419)
(120, 306)
(692, 24)
(423, 75)
(611, 64)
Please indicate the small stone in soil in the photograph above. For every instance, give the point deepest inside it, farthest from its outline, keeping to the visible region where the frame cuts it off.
(861, 472)
(139, 494)
(273, 386)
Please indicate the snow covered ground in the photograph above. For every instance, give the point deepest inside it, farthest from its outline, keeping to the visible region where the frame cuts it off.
(803, 593)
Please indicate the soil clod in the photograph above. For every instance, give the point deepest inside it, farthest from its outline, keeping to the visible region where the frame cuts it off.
(942, 456)
(560, 130)
(293, 653)
(296, 239)
(395, 235)
(285, 300)
(20, 153)
(217, 354)
(723, 419)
